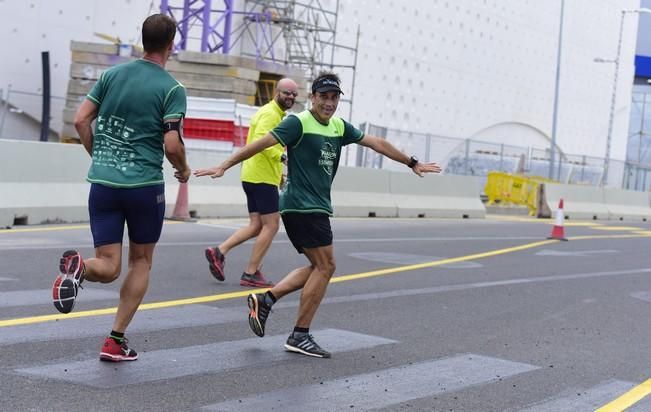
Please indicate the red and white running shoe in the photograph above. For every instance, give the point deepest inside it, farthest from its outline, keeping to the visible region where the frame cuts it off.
(68, 282)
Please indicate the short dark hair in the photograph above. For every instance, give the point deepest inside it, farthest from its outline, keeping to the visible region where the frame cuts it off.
(158, 32)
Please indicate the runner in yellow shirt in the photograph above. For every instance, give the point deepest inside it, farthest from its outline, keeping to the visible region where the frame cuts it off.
(261, 176)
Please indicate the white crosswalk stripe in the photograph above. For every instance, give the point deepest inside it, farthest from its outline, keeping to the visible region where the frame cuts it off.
(194, 360)
(383, 388)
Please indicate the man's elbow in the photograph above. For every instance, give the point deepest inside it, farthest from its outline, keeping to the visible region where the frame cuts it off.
(80, 123)
(174, 148)
(172, 151)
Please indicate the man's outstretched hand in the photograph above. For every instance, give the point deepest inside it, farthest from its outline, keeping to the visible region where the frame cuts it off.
(213, 172)
(421, 168)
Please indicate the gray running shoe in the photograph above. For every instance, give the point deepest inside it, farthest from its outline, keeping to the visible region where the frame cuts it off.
(305, 344)
(256, 280)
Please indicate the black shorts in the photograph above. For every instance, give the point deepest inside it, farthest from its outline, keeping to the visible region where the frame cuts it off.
(142, 208)
(308, 230)
(261, 197)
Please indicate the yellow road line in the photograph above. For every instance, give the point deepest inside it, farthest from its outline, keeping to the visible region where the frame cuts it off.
(622, 236)
(388, 271)
(57, 228)
(44, 229)
(505, 218)
(144, 306)
(337, 279)
(616, 228)
(628, 399)
(239, 294)
(590, 224)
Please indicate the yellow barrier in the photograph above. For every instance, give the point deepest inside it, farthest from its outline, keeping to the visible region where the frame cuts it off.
(513, 189)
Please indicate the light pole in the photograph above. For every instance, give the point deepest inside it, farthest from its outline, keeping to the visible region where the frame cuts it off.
(613, 98)
(552, 147)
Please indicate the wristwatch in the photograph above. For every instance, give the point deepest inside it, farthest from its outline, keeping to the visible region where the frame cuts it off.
(412, 162)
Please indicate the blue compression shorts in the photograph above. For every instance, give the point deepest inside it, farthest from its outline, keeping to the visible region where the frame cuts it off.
(143, 209)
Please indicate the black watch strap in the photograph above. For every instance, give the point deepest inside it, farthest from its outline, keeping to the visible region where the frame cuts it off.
(413, 161)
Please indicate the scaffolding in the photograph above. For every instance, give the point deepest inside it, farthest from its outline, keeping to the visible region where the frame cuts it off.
(300, 34)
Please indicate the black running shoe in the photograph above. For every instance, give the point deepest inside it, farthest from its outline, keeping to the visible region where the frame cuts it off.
(216, 262)
(306, 345)
(67, 283)
(258, 313)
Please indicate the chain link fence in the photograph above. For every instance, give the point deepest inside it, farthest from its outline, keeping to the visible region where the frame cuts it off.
(477, 158)
(456, 155)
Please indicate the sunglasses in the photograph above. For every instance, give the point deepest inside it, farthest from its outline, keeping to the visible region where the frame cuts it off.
(289, 93)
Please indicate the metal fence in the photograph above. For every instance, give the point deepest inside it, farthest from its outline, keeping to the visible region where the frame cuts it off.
(477, 158)
(638, 168)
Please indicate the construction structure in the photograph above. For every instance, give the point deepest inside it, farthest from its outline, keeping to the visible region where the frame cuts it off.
(286, 32)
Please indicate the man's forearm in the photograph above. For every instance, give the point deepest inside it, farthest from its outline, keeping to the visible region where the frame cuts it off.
(244, 153)
(392, 152)
(85, 132)
(178, 159)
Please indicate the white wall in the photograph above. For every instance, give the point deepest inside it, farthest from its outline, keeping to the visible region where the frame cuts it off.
(32, 26)
(447, 67)
(644, 32)
(457, 68)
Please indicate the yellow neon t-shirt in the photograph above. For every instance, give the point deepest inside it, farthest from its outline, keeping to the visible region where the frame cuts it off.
(264, 167)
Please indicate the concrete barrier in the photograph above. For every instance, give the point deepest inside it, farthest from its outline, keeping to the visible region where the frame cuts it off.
(45, 183)
(627, 205)
(447, 196)
(581, 202)
(42, 182)
(208, 197)
(359, 192)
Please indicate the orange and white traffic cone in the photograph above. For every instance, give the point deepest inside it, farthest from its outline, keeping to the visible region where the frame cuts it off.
(558, 231)
(181, 211)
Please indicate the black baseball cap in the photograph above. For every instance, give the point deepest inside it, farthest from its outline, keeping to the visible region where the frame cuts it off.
(326, 85)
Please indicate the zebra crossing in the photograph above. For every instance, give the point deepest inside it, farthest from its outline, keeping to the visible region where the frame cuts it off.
(374, 389)
(192, 360)
(481, 345)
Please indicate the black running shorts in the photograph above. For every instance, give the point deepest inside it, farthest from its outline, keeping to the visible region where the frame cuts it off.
(261, 197)
(307, 230)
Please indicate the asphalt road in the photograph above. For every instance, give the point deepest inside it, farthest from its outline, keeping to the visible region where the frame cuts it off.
(422, 314)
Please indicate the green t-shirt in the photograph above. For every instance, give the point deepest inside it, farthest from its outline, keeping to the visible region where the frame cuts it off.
(264, 167)
(313, 152)
(133, 99)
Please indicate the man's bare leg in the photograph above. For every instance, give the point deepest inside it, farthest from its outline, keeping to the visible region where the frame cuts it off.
(105, 267)
(243, 234)
(293, 281)
(300, 340)
(323, 262)
(265, 236)
(135, 285)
